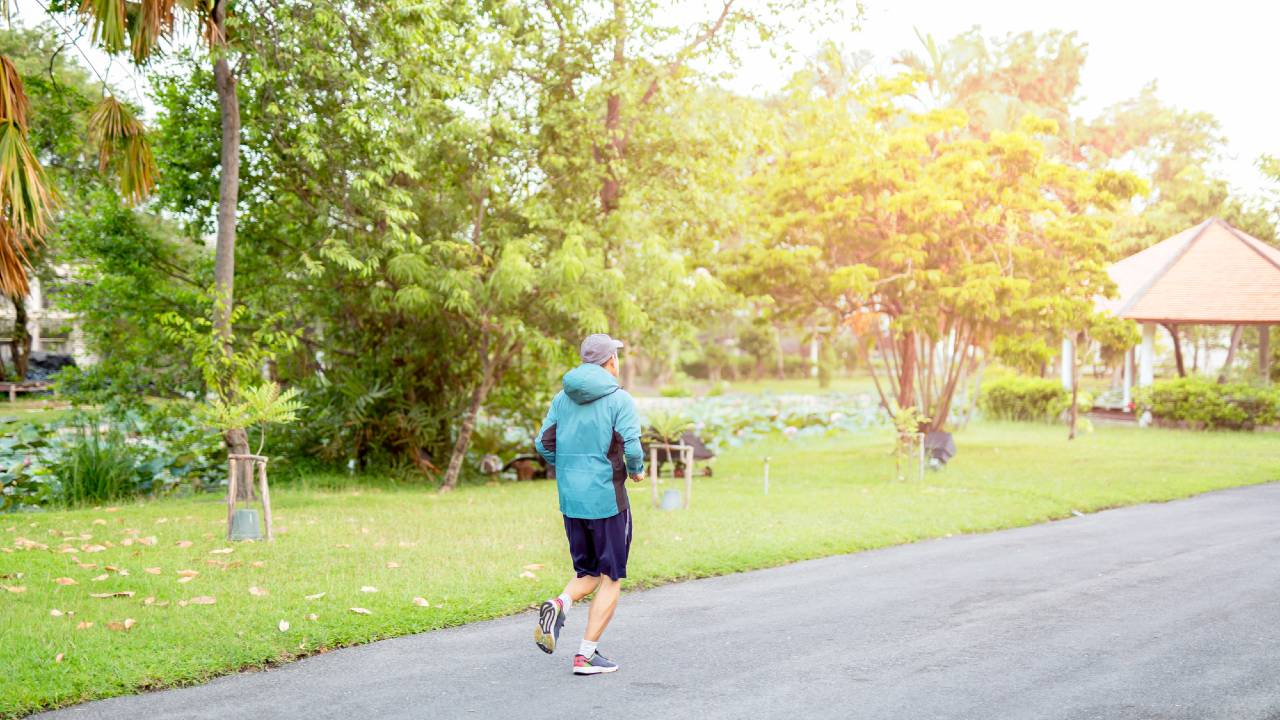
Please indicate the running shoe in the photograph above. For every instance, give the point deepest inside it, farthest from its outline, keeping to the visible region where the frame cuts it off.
(594, 666)
(550, 620)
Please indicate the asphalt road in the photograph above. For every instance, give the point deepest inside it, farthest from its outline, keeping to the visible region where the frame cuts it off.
(1155, 611)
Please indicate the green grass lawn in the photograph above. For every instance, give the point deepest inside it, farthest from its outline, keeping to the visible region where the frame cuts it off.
(487, 551)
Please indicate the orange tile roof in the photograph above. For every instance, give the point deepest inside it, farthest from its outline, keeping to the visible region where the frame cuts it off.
(1211, 273)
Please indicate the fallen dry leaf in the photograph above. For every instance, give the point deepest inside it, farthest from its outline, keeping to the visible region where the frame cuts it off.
(58, 658)
(15, 588)
(118, 593)
(65, 581)
(284, 626)
(148, 540)
(92, 548)
(84, 625)
(188, 573)
(162, 520)
(99, 521)
(86, 566)
(533, 566)
(421, 602)
(203, 600)
(127, 541)
(527, 574)
(360, 611)
(342, 545)
(313, 616)
(222, 551)
(258, 592)
(56, 612)
(368, 589)
(317, 596)
(149, 600)
(393, 565)
(112, 509)
(101, 577)
(184, 543)
(258, 564)
(152, 571)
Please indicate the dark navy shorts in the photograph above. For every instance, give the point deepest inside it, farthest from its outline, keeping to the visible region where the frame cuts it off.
(600, 546)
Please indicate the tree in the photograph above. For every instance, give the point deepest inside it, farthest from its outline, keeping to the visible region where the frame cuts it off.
(946, 241)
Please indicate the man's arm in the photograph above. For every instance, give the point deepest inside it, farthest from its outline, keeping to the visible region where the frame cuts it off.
(628, 426)
(545, 443)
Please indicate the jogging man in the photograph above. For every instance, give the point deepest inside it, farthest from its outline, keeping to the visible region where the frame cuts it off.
(592, 437)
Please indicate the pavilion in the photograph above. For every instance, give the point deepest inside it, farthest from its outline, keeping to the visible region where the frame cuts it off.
(1210, 274)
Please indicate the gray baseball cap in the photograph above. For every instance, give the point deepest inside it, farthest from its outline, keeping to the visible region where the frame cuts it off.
(598, 348)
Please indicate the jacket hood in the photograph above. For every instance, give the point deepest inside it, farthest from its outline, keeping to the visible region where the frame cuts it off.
(588, 383)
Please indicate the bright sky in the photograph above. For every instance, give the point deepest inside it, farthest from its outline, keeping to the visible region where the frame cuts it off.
(1215, 57)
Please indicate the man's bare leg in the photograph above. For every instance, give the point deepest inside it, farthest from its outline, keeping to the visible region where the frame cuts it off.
(580, 587)
(602, 607)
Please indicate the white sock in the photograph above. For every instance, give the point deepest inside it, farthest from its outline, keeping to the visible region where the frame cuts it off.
(587, 648)
(566, 602)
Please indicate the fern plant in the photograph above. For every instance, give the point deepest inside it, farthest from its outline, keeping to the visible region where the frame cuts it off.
(668, 426)
(256, 407)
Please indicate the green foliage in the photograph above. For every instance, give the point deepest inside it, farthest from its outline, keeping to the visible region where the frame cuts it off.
(1033, 399)
(253, 407)
(98, 468)
(1200, 403)
(123, 451)
(667, 426)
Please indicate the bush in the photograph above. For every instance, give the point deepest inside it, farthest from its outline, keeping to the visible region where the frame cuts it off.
(1202, 403)
(98, 468)
(1017, 397)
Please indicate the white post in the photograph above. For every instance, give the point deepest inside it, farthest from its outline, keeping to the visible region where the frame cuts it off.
(766, 474)
(1264, 353)
(35, 312)
(1068, 362)
(813, 354)
(1128, 377)
(1146, 365)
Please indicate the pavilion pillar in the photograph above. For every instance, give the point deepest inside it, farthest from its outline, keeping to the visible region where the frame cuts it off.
(1127, 375)
(1147, 364)
(1264, 353)
(1068, 362)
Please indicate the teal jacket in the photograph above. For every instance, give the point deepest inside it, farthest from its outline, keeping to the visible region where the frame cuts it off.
(592, 437)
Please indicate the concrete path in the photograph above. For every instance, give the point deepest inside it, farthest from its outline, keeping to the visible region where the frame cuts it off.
(1157, 611)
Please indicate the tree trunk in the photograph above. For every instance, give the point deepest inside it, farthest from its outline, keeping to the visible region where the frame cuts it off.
(907, 372)
(1075, 386)
(611, 186)
(224, 263)
(224, 267)
(1177, 348)
(1231, 353)
(478, 397)
(237, 442)
(20, 344)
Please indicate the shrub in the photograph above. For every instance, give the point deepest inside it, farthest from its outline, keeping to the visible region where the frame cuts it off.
(97, 468)
(1202, 403)
(1018, 397)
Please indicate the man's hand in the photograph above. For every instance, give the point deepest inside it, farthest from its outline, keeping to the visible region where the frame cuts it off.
(637, 477)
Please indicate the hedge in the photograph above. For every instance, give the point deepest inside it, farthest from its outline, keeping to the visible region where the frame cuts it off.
(1017, 397)
(1201, 403)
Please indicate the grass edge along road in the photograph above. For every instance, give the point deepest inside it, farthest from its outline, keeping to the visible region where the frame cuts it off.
(373, 561)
